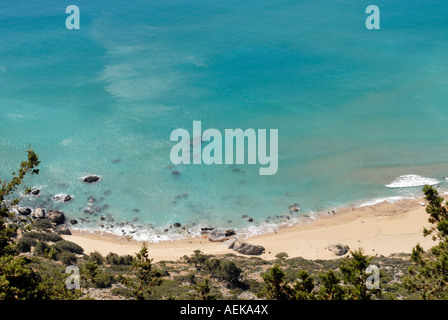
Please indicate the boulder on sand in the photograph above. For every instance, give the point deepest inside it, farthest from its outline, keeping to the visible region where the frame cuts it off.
(230, 243)
(248, 249)
(338, 249)
(64, 231)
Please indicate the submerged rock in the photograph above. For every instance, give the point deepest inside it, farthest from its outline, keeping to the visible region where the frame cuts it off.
(35, 191)
(91, 178)
(61, 197)
(294, 208)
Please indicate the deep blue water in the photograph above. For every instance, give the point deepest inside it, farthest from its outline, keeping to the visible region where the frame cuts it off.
(355, 108)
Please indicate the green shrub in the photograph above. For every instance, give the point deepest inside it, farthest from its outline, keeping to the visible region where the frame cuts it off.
(25, 244)
(224, 270)
(42, 224)
(190, 278)
(67, 257)
(96, 256)
(41, 248)
(44, 236)
(115, 259)
(103, 280)
(12, 229)
(64, 245)
(281, 255)
(123, 292)
(31, 235)
(50, 236)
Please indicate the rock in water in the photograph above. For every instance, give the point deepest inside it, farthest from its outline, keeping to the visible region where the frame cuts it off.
(217, 236)
(35, 191)
(56, 216)
(294, 207)
(61, 197)
(338, 249)
(90, 179)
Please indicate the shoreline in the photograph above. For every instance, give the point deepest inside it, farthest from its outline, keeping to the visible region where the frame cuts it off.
(381, 229)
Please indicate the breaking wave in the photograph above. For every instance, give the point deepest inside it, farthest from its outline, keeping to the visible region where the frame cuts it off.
(412, 180)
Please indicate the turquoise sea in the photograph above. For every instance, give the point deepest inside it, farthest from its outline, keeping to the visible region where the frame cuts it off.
(358, 111)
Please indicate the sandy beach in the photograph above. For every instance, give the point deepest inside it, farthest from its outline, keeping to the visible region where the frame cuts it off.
(381, 229)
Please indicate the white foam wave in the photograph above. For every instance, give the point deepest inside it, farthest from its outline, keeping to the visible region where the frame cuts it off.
(154, 235)
(62, 197)
(380, 200)
(412, 180)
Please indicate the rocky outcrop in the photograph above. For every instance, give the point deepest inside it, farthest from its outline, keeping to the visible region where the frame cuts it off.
(56, 217)
(219, 236)
(338, 249)
(38, 213)
(63, 231)
(24, 211)
(230, 243)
